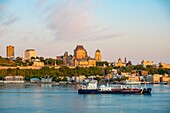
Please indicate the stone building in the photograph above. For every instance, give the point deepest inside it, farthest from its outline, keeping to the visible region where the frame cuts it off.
(81, 59)
(147, 63)
(98, 55)
(80, 52)
(38, 63)
(85, 62)
(164, 65)
(120, 63)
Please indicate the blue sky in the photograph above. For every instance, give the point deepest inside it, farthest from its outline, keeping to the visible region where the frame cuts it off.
(136, 29)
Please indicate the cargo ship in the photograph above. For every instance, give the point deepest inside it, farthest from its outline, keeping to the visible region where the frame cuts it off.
(90, 87)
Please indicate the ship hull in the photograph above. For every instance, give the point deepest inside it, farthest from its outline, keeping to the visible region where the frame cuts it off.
(115, 91)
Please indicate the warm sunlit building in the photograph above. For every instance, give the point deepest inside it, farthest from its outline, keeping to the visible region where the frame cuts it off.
(80, 52)
(147, 63)
(164, 65)
(38, 63)
(91, 62)
(134, 78)
(165, 78)
(30, 53)
(98, 55)
(153, 78)
(120, 63)
(10, 51)
(85, 62)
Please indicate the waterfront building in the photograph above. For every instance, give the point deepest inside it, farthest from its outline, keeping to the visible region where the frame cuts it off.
(153, 78)
(98, 55)
(10, 51)
(30, 53)
(120, 63)
(134, 78)
(147, 63)
(34, 80)
(79, 79)
(38, 63)
(13, 79)
(126, 74)
(80, 52)
(46, 79)
(108, 76)
(165, 78)
(164, 65)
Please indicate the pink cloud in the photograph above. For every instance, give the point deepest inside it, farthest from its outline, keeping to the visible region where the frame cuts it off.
(75, 21)
(1, 7)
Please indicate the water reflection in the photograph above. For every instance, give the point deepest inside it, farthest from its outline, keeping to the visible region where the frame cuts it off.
(65, 99)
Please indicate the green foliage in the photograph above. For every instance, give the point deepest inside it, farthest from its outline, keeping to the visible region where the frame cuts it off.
(6, 62)
(52, 72)
(64, 79)
(139, 67)
(97, 78)
(101, 63)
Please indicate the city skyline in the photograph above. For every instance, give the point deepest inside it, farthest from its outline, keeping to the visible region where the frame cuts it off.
(136, 30)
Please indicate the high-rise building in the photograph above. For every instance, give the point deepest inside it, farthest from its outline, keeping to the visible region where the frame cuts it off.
(30, 53)
(80, 52)
(98, 56)
(10, 51)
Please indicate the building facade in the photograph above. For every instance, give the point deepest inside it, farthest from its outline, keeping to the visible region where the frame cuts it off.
(38, 63)
(120, 63)
(85, 62)
(81, 59)
(80, 52)
(30, 53)
(10, 51)
(98, 55)
(147, 63)
(164, 65)
(156, 78)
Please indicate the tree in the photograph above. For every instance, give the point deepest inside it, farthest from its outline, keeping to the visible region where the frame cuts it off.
(139, 67)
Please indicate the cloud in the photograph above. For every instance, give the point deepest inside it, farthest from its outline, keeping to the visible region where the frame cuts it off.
(1, 7)
(6, 19)
(74, 20)
(9, 20)
(5, 23)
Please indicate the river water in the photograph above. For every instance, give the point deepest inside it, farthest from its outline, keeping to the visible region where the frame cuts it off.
(65, 99)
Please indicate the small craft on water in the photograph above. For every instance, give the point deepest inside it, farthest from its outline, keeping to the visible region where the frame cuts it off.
(90, 87)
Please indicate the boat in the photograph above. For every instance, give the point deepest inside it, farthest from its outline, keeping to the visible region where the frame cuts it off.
(131, 82)
(90, 87)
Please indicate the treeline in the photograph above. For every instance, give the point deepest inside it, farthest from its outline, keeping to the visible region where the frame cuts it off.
(6, 62)
(18, 61)
(138, 68)
(52, 72)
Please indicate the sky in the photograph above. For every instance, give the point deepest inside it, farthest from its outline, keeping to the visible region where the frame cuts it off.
(135, 29)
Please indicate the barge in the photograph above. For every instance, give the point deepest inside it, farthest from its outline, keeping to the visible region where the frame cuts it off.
(90, 87)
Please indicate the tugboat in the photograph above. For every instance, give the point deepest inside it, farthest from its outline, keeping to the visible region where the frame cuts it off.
(90, 87)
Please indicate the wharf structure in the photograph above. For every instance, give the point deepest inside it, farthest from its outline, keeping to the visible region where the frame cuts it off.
(14, 79)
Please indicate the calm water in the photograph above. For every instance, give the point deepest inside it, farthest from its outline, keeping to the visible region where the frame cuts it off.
(64, 99)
